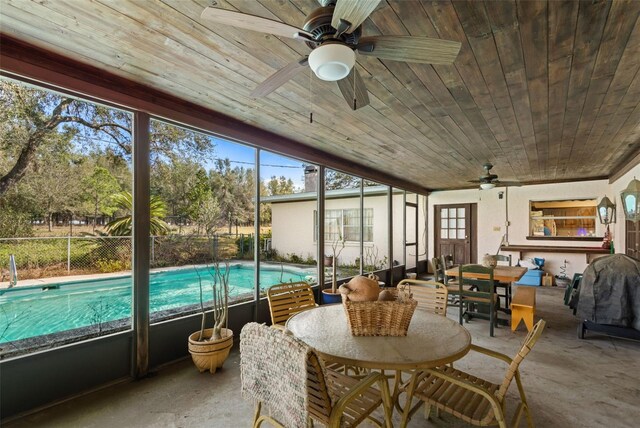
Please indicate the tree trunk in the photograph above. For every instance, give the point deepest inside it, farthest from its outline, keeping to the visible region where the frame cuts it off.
(50, 220)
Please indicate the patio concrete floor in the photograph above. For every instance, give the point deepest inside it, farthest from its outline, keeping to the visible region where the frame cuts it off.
(569, 383)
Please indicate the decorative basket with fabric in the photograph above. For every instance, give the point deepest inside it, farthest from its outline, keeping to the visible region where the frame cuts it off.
(379, 318)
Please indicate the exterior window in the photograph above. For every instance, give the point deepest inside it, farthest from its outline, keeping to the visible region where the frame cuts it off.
(566, 218)
(345, 224)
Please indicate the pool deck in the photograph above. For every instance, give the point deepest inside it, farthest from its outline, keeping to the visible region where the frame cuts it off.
(96, 276)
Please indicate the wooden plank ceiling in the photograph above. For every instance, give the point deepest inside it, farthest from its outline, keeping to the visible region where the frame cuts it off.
(543, 90)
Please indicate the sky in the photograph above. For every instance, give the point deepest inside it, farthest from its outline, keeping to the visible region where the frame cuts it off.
(270, 163)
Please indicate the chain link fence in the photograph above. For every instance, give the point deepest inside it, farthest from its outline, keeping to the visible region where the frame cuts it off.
(62, 256)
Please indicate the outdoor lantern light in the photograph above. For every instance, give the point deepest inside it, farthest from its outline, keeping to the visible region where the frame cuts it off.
(631, 200)
(332, 61)
(607, 211)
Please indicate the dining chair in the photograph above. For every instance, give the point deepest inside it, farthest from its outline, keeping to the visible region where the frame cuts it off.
(287, 299)
(473, 399)
(286, 376)
(451, 282)
(431, 295)
(483, 295)
(438, 271)
(504, 260)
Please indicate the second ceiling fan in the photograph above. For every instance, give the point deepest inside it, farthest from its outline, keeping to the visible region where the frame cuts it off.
(333, 32)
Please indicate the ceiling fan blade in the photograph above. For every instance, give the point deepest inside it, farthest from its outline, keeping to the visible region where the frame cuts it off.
(279, 78)
(410, 49)
(352, 11)
(346, 87)
(252, 22)
(508, 183)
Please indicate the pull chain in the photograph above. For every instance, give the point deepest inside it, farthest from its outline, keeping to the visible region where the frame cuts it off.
(310, 103)
(354, 88)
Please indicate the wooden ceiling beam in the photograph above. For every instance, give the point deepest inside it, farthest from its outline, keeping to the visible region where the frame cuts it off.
(24, 60)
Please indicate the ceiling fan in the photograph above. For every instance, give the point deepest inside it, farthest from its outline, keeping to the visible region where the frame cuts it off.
(489, 180)
(333, 32)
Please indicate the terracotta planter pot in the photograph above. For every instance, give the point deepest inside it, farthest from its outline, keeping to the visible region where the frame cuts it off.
(210, 355)
(328, 261)
(329, 297)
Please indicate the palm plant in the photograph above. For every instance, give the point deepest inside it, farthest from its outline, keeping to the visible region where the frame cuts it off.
(122, 226)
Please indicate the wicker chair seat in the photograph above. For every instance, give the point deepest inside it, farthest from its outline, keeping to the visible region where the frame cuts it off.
(467, 405)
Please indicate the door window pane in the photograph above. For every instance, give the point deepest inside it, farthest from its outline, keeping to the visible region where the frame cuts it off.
(461, 212)
(461, 222)
(444, 213)
(461, 234)
(452, 223)
(444, 233)
(452, 212)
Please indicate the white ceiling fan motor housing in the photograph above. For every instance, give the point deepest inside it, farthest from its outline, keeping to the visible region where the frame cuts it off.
(332, 61)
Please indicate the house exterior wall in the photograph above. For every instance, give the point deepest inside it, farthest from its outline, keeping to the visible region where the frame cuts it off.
(492, 216)
(293, 228)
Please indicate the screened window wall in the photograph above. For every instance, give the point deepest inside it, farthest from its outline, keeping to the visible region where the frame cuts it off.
(72, 214)
(288, 203)
(398, 227)
(375, 255)
(65, 221)
(202, 219)
(342, 224)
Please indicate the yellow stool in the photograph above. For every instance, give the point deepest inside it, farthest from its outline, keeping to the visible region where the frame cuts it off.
(523, 307)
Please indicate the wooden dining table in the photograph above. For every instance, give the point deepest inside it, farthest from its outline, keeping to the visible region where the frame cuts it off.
(432, 340)
(500, 273)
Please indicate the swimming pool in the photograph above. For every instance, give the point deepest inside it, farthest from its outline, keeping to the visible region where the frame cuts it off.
(34, 311)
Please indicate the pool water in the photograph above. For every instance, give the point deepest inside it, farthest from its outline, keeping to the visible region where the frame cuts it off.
(32, 311)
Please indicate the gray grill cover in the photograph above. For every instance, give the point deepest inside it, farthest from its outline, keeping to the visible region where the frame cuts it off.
(610, 291)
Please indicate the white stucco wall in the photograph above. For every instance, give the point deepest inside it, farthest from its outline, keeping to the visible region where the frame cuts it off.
(292, 227)
(492, 216)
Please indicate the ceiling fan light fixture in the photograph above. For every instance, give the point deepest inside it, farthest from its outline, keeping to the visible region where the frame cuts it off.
(487, 186)
(332, 62)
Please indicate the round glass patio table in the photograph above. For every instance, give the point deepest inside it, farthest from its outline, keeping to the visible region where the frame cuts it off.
(432, 340)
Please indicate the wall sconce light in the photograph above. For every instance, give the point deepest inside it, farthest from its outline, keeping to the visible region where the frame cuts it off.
(607, 214)
(631, 201)
(607, 211)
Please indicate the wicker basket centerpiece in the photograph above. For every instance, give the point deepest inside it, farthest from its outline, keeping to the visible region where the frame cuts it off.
(371, 312)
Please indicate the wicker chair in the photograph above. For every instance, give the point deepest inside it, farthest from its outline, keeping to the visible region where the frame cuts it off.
(285, 375)
(431, 295)
(472, 399)
(286, 300)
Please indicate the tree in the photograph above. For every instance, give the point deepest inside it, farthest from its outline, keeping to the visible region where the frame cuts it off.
(208, 216)
(122, 226)
(233, 187)
(336, 180)
(280, 186)
(53, 185)
(31, 117)
(98, 189)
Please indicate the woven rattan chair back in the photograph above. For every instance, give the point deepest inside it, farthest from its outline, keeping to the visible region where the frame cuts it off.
(431, 295)
(284, 374)
(527, 345)
(286, 300)
(273, 371)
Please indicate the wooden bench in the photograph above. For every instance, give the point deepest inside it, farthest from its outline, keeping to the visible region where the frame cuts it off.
(523, 307)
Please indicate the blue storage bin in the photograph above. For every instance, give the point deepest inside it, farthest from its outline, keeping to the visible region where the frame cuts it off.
(531, 277)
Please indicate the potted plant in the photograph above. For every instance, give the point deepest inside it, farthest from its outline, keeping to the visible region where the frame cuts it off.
(209, 347)
(332, 295)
